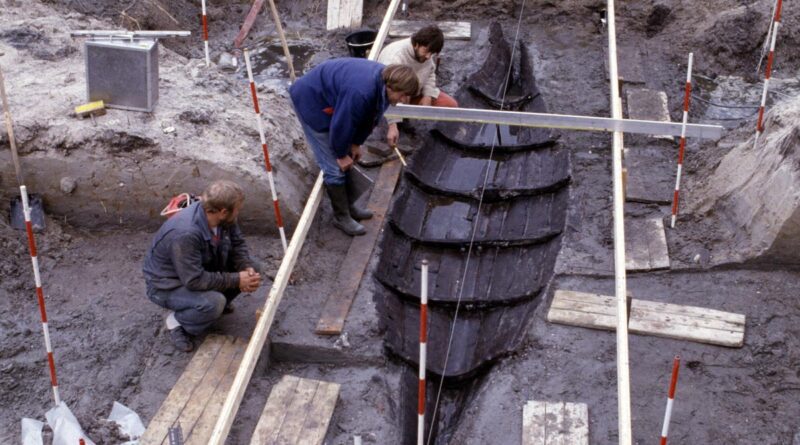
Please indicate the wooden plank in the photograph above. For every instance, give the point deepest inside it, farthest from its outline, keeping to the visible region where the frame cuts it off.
(248, 23)
(630, 68)
(320, 414)
(555, 423)
(583, 319)
(657, 244)
(205, 424)
(533, 432)
(344, 14)
(651, 177)
(333, 15)
(583, 297)
(274, 412)
(352, 268)
(205, 389)
(713, 314)
(297, 411)
(169, 411)
(646, 248)
(578, 414)
(259, 337)
(690, 324)
(649, 105)
(584, 310)
(645, 313)
(451, 30)
(557, 431)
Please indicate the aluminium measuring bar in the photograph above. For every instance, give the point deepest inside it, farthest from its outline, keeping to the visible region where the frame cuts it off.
(546, 120)
(130, 34)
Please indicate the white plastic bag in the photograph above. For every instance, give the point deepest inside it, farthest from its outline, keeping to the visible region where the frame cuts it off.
(129, 422)
(32, 432)
(66, 429)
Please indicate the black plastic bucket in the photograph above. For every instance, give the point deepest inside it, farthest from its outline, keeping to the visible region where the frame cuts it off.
(360, 42)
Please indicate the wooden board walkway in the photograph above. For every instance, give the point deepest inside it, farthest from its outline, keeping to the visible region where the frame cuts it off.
(343, 292)
(648, 105)
(630, 68)
(298, 411)
(555, 423)
(451, 30)
(680, 322)
(344, 13)
(582, 309)
(196, 399)
(687, 323)
(651, 174)
(645, 245)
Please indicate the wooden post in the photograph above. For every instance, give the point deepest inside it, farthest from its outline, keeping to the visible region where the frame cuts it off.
(276, 18)
(623, 366)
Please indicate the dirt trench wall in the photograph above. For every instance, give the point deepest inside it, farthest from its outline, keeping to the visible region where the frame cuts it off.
(123, 168)
(755, 192)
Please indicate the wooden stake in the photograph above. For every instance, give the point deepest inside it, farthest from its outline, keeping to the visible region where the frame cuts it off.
(276, 18)
(623, 366)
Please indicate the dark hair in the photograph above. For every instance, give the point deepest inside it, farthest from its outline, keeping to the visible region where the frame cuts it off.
(430, 37)
(221, 195)
(401, 78)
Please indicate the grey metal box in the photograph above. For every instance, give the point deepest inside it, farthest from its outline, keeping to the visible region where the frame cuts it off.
(123, 74)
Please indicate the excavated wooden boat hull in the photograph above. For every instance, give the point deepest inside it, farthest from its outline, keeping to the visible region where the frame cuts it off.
(486, 206)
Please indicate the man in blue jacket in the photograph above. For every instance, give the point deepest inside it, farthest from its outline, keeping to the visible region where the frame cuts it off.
(198, 263)
(338, 103)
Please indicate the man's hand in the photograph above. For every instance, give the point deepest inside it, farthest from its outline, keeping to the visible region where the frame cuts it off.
(355, 152)
(392, 135)
(249, 280)
(345, 163)
(426, 101)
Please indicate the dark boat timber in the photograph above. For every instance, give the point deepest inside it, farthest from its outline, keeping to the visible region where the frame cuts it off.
(495, 255)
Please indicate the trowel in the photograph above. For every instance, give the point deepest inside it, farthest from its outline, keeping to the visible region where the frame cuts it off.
(17, 213)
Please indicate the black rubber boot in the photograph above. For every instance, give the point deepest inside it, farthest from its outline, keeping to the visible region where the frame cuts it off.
(341, 211)
(180, 339)
(358, 213)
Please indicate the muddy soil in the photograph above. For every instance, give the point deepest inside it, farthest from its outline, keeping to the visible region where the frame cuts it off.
(109, 341)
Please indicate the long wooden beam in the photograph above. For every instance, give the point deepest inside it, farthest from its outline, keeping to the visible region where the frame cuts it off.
(620, 278)
(259, 337)
(546, 120)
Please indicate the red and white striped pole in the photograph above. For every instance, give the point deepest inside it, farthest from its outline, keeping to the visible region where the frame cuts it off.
(39, 292)
(676, 363)
(278, 218)
(682, 148)
(205, 32)
(423, 350)
(768, 72)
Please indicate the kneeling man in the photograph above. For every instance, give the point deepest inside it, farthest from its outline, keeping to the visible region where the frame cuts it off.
(199, 262)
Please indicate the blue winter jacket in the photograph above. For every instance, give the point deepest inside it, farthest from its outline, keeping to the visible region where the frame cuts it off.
(344, 97)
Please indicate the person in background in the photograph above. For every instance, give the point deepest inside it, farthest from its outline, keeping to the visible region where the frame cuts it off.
(418, 53)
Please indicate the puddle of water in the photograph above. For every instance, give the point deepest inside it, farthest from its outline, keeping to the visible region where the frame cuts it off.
(730, 99)
(269, 62)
